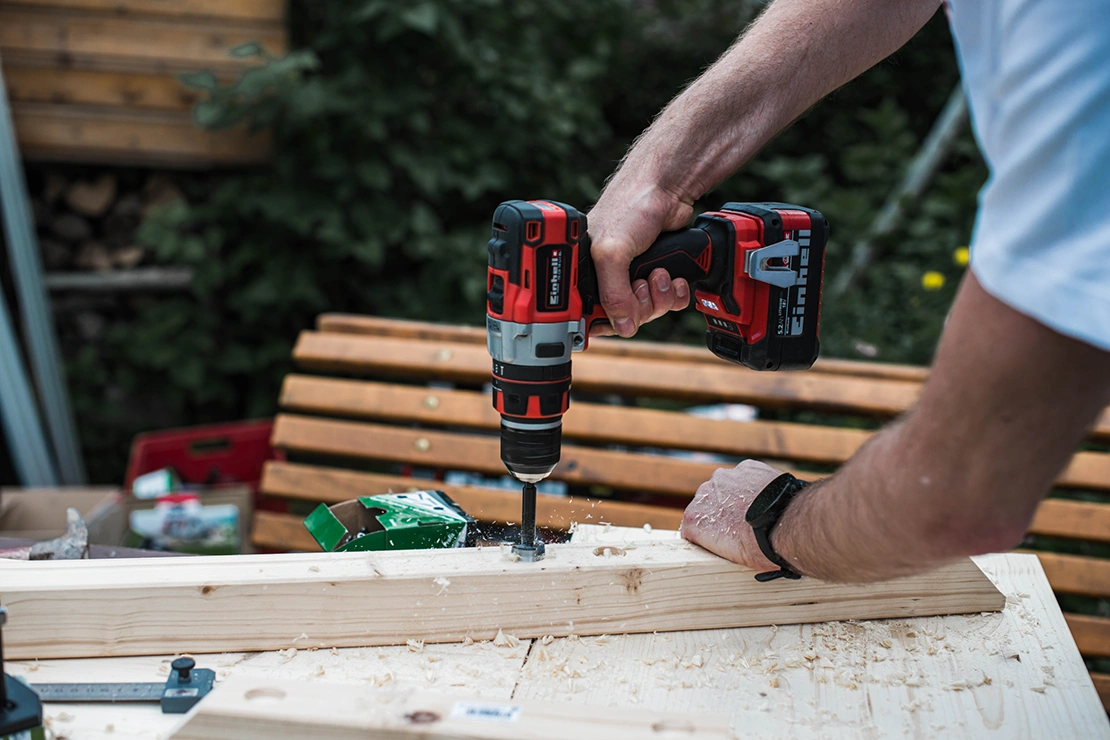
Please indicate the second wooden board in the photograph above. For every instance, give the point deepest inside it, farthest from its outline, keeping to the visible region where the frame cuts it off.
(96, 608)
(260, 709)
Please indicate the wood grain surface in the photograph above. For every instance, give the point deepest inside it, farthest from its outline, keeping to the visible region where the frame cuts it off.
(268, 602)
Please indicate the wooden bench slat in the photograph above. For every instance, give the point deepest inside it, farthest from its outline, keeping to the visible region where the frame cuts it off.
(470, 363)
(613, 424)
(262, 10)
(580, 465)
(331, 485)
(1079, 520)
(1092, 634)
(1102, 686)
(377, 326)
(160, 44)
(1076, 574)
(281, 532)
(586, 421)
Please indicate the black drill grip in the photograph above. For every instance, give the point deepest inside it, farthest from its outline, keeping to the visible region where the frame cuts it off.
(686, 253)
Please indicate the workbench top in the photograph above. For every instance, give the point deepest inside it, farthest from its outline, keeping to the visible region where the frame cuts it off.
(1011, 674)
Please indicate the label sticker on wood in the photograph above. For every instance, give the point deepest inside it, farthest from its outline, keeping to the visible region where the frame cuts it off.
(486, 711)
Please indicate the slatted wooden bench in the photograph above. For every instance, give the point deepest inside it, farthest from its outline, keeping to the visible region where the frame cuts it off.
(96, 80)
(362, 411)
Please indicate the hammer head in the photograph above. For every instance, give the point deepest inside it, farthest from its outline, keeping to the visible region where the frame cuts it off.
(73, 545)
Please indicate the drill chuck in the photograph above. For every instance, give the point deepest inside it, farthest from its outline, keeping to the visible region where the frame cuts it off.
(531, 451)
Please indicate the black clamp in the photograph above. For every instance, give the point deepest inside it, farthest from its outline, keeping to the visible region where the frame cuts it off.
(764, 513)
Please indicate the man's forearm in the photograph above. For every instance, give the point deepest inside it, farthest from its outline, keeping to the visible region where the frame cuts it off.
(1007, 403)
(795, 53)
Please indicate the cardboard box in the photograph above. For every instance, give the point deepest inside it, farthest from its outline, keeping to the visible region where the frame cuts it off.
(40, 513)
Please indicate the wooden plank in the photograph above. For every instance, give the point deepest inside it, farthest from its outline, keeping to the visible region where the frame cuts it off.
(1092, 634)
(401, 328)
(1102, 686)
(921, 678)
(602, 374)
(76, 39)
(85, 87)
(642, 427)
(97, 608)
(579, 465)
(1079, 520)
(257, 10)
(345, 712)
(278, 532)
(585, 421)
(332, 485)
(378, 326)
(92, 134)
(1075, 574)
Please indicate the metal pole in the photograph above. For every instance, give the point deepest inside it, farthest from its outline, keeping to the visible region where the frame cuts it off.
(38, 327)
(20, 418)
(925, 163)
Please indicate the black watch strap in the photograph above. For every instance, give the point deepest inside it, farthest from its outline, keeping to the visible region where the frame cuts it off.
(764, 513)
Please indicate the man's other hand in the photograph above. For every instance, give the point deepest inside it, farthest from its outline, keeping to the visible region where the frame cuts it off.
(715, 518)
(623, 224)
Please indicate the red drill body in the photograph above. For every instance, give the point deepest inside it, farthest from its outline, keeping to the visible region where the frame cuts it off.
(755, 270)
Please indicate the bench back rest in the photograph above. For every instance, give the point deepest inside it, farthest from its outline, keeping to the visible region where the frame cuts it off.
(363, 407)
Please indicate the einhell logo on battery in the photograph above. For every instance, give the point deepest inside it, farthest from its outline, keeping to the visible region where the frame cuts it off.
(797, 320)
(552, 262)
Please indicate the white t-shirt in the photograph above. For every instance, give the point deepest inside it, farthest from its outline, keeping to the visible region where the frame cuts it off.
(1037, 77)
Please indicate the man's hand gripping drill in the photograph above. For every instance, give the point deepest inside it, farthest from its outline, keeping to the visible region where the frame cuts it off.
(755, 269)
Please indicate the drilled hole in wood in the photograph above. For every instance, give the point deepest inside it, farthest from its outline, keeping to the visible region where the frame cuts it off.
(674, 725)
(422, 718)
(608, 551)
(265, 695)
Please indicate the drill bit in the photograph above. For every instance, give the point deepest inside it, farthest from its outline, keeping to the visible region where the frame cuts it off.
(528, 549)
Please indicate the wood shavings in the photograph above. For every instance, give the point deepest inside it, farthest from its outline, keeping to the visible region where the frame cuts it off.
(1038, 689)
(694, 662)
(32, 667)
(443, 583)
(64, 717)
(547, 639)
(109, 729)
(314, 569)
(503, 640)
(319, 670)
(334, 651)
(304, 636)
(415, 646)
(468, 641)
(381, 680)
(288, 654)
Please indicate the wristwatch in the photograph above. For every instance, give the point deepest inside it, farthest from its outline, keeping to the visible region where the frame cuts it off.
(764, 513)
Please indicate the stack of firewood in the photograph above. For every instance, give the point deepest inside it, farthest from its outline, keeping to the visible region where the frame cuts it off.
(87, 221)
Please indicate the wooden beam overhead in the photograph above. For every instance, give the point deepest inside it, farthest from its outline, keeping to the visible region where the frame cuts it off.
(95, 608)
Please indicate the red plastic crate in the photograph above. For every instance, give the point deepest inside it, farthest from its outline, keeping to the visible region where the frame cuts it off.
(217, 454)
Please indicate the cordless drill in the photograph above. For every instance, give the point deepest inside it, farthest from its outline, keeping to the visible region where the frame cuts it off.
(755, 270)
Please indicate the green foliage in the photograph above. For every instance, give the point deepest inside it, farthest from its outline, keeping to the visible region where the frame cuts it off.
(398, 127)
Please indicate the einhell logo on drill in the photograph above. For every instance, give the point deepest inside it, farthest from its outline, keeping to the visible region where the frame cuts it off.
(797, 319)
(551, 261)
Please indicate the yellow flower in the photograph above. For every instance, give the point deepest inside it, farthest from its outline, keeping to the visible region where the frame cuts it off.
(961, 256)
(932, 280)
